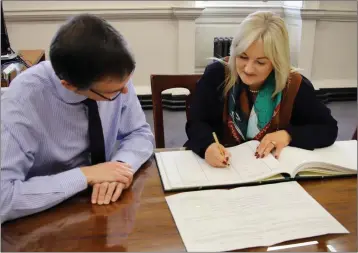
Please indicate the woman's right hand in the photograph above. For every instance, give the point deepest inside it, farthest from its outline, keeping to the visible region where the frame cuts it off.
(214, 157)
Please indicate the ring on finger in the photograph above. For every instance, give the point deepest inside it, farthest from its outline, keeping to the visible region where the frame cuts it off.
(267, 150)
(273, 143)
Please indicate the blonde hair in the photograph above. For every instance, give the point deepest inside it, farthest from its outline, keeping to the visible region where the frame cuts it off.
(271, 29)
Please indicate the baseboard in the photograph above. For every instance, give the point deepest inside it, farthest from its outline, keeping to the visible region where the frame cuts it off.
(327, 95)
(170, 102)
(177, 102)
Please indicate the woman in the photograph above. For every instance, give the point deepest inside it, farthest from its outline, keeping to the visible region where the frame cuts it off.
(257, 95)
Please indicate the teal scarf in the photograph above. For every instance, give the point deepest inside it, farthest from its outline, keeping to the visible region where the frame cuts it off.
(247, 125)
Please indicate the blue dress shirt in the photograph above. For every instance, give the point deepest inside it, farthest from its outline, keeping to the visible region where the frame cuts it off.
(45, 139)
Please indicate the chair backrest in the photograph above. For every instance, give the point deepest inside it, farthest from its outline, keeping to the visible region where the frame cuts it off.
(354, 137)
(160, 83)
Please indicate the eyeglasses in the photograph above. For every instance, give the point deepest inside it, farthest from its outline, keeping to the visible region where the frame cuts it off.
(102, 96)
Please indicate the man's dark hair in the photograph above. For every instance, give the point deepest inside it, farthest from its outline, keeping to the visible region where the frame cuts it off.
(87, 49)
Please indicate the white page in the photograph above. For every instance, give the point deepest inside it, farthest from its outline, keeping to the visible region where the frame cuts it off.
(219, 175)
(341, 153)
(183, 169)
(222, 220)
(244, 162)
(169, 177)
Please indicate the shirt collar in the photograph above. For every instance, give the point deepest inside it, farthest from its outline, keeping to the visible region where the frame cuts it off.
(66, 95)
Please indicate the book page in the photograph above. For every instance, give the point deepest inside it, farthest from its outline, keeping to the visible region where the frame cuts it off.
(245, 163)
(222, 220)
(185, 169)
(341, 156)
(341, 153)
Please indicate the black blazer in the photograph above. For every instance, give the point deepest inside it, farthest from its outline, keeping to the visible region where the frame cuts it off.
(311, 125)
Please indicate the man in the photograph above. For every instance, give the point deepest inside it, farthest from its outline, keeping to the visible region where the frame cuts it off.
(61, 118)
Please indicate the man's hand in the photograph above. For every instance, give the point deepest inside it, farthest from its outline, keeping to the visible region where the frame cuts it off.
(108, 172)
(105, 192)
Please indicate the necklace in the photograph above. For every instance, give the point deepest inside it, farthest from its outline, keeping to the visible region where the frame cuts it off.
(254, 91)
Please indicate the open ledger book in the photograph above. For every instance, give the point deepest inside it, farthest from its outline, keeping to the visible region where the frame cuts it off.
(185, 170)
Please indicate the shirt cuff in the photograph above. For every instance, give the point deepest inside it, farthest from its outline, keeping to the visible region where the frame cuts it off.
(128, 157)
(73, 181)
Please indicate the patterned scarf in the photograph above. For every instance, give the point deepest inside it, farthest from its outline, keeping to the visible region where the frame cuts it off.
(245, 125)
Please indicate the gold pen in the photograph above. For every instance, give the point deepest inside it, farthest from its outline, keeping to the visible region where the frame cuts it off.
(221, 151)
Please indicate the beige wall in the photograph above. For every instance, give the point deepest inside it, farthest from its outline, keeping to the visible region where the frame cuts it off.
(219, 22)
(154, 52)
(177, 37)
(335, 50)
(323, 38)
(162, 36)
(338, 5)
(90, 5)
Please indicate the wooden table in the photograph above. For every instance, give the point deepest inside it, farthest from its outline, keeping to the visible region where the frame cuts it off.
(141, 221)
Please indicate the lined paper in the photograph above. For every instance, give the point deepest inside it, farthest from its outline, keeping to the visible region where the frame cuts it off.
(264, 215)
(185, 169)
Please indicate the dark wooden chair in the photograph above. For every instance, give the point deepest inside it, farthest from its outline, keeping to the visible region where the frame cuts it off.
(160, 83)
(354, 137)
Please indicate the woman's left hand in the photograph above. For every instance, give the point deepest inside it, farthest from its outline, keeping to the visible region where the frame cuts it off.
(276, 140)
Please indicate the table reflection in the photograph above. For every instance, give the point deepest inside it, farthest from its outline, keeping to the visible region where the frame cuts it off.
(96, 227)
